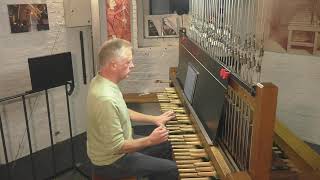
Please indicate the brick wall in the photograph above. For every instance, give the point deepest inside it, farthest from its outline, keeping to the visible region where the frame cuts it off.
(151, 64)
(15, 49)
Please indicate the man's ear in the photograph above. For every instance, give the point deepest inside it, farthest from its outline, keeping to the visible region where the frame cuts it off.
(113, 64)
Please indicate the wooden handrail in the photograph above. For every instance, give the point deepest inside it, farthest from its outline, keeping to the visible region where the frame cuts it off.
(308, 155)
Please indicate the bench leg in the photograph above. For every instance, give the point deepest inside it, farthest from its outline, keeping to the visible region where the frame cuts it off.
(315, 47)
(289, 40)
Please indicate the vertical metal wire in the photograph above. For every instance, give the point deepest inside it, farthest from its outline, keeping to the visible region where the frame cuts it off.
(5, 149)
(29, 137)
(51, 134)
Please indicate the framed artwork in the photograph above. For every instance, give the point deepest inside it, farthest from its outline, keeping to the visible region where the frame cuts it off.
(118, 19)
(161, 26)
(28, 17)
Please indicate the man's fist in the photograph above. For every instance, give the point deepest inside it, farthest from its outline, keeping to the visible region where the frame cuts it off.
(159, 135)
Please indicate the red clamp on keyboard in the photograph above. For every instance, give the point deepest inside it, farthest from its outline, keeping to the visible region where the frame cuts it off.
(224, 74)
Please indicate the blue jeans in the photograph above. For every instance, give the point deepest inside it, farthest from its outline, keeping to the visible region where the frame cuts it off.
(154, 162)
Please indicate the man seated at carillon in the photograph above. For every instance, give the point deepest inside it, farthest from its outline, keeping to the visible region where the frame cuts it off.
(110, 146)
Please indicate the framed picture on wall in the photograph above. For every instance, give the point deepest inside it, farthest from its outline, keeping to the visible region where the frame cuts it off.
(161, 26)
(28, 17)
(118, 19)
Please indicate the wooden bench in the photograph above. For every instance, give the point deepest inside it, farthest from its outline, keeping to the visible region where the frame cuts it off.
(306, 28)
(94, 177)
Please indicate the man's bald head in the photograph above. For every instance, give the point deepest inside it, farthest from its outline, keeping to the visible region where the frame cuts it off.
(114, 49)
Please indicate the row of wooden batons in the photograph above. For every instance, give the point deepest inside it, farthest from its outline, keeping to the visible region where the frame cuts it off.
(192, 160)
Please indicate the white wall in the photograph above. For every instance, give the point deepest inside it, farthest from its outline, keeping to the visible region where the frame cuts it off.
(298, 80)
(15, 49)
(151, 64)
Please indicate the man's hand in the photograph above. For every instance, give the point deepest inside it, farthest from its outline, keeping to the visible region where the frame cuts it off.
(163, 118)
(159, 135)
(158, 120)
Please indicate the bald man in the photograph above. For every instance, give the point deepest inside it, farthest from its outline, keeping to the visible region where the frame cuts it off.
(110, 146)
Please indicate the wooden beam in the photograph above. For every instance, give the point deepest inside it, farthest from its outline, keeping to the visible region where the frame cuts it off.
(308, 155)
(140, 98)
(238, 176)
(262, 135)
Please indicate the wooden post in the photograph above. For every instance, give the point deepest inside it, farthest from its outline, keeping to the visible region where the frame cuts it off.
(315, 47)
(238, 176)
(263, 123)
(289, 40)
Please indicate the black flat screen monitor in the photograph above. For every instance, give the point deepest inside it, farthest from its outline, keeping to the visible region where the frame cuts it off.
(50, 71)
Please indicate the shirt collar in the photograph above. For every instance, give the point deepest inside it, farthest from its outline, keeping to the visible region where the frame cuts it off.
(107, 81)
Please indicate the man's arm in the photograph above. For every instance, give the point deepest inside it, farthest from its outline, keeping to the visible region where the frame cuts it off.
(140, 117)
(159, 135)
(158, 120)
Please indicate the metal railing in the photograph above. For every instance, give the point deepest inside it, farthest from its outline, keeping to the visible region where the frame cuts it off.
(22, 97)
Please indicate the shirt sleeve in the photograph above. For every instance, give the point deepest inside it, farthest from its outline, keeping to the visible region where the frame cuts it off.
(110, 125)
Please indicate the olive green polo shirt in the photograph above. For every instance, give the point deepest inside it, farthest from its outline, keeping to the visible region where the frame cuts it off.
(108, 121)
